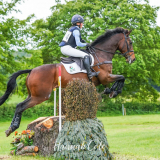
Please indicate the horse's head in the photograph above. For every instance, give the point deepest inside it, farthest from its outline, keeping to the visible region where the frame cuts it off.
(126, 48)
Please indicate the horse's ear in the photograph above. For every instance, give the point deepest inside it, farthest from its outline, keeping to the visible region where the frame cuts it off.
(129, 32)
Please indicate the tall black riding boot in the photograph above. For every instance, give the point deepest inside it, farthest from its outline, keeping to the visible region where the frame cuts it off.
(86, 62)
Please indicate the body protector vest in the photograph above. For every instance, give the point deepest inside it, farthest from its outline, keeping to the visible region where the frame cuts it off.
(69, 39)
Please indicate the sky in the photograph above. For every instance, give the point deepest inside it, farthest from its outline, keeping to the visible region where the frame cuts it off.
(41, 8)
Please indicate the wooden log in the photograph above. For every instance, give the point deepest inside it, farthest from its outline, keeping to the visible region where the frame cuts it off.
(20, 146)
(12, 152)
(27, 149)
(48, 123)
(35, 122)
(29, 154)
(36, 149)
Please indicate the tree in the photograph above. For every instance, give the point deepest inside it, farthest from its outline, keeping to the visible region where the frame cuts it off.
(109, 14)
(8, 38)
(13, 44)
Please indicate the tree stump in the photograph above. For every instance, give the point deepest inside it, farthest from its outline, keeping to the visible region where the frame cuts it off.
(46, 132)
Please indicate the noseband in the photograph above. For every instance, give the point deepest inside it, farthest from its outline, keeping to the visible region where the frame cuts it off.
(92, 51)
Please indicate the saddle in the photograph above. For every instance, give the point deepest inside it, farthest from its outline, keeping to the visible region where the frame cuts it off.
(70, 60)
(77, 60)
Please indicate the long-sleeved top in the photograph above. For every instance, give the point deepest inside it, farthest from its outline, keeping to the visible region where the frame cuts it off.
(76, 34)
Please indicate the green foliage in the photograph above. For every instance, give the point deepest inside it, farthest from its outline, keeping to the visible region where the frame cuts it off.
(44, 109)
(132, 108)
(45, 35)
(14, 41)
(85, 139)
(8, 28)
(80, 100)
(109, 14)
(105, 109)
(99, 16)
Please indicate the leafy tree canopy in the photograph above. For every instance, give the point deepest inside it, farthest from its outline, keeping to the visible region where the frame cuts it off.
(13, 43)
(108, 14)
(99, 15)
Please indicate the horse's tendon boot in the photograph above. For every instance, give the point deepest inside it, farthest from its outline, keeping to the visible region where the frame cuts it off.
(107, 91)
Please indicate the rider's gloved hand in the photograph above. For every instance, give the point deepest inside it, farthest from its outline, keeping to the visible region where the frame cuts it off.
(83, 41)
(88, 45)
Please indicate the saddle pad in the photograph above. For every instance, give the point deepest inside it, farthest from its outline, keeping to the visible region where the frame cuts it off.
(74, 68)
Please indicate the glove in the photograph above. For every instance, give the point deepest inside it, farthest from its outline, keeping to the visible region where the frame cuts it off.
(83, 41)
(88, 45)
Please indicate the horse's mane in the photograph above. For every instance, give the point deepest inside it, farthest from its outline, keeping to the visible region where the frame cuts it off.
(108, 34)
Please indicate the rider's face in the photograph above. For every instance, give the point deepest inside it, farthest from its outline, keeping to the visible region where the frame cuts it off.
(80, 24)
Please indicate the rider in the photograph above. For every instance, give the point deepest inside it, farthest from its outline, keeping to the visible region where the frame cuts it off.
(72, 39)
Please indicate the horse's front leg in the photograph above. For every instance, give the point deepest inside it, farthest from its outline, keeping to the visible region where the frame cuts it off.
(116, 87)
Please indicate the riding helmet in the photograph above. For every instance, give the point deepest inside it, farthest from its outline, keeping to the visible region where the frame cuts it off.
(77, 18)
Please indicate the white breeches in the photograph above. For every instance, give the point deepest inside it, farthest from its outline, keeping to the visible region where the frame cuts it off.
(70, 51)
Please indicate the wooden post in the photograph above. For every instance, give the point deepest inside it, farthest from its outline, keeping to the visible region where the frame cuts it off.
(59, 84)
(123, 109)
(54, 101)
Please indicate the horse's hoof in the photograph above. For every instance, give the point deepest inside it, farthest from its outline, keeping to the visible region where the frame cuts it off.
(8, 132)
(113, 94)
(107, 91)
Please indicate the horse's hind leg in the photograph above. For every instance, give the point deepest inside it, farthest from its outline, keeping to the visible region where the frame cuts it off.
(17, 116)
(28, 103)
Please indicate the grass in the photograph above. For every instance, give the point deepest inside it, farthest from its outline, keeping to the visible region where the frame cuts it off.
(5, 142)
(129, 137)
(135, 136)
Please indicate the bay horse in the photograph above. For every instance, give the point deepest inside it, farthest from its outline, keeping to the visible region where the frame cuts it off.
(43, 79)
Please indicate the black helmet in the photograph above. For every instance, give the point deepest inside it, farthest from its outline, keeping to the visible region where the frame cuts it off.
(77, 18)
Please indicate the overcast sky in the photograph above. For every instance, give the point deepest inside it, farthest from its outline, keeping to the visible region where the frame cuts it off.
(41, 8)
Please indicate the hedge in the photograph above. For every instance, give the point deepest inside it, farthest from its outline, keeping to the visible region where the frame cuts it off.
(105, 109)
(44, 109)
(132, 108)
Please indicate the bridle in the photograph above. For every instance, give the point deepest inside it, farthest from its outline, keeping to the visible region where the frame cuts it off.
(92, 51)
(125, 54)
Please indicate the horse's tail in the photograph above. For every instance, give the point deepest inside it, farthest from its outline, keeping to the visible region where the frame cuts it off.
(12, 84)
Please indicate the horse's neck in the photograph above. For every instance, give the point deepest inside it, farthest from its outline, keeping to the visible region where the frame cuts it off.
(110, 45)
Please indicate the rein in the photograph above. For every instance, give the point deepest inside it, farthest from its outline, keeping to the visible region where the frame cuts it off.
(92, 51)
